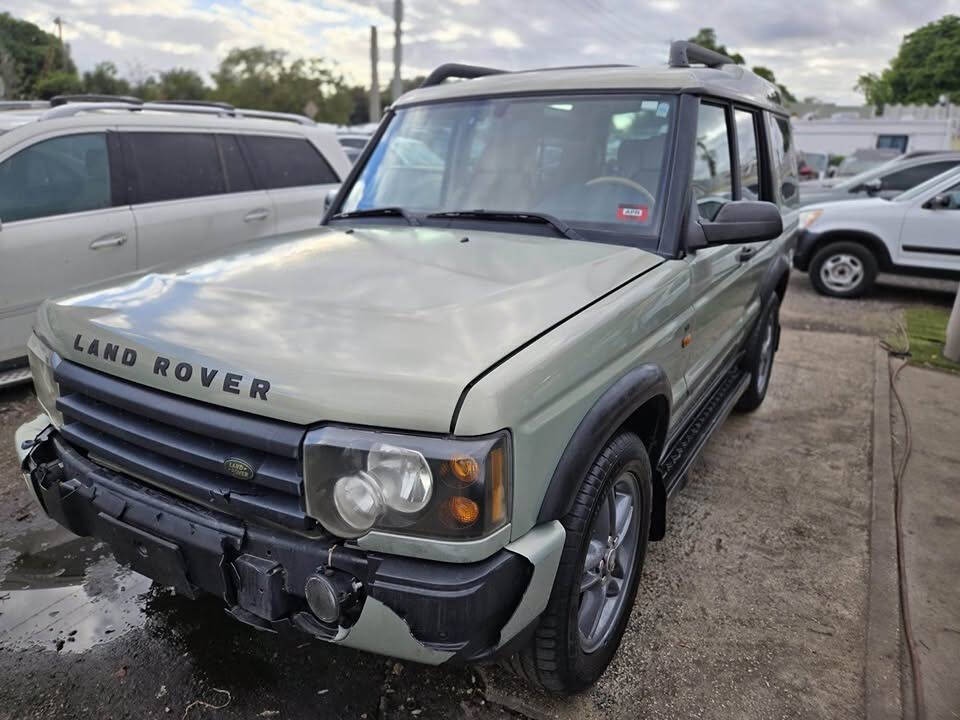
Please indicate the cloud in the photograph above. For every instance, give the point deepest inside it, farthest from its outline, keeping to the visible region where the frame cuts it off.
(818, 47)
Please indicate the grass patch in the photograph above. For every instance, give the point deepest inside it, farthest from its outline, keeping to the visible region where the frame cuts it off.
(926, 330)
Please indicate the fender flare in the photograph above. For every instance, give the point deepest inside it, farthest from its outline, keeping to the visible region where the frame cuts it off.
(608, 413)
(775, 272)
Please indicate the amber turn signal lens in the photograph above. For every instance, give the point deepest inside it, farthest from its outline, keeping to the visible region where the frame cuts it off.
(462, 511)
(465, 469)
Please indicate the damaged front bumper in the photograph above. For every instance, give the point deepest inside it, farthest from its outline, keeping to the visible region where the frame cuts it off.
(418, 610)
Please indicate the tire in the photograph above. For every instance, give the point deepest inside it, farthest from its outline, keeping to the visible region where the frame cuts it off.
(843, 269)
(559, 660)
(759, 358)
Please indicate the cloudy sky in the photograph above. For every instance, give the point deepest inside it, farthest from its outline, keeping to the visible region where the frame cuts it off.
(815, 47)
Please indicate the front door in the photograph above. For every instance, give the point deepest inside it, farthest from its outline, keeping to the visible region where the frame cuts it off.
(930, 235)
(59, 228)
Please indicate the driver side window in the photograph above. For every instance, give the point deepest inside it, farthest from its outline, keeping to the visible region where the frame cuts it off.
(54, 177)
(712, 179)
(954, 195)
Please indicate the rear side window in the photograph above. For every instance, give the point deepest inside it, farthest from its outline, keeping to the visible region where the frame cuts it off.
(281, 162)
(784, 161)
(174, 166)
(54, 177)
(911, 176)
(712, 180)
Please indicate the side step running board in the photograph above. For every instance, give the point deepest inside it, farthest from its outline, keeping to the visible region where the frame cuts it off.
(685, 449)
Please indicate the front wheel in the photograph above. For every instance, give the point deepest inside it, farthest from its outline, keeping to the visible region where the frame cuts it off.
(843, 269)
(607, 530)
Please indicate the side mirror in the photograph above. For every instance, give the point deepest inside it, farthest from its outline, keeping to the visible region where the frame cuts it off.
(329, 198)
(744, 221)
(939, 202)
(874, 186)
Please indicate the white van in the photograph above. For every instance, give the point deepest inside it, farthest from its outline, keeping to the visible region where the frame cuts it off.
(90, 190)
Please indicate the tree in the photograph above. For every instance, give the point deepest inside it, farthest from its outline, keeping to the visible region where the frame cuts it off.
(34, 54)
(55, 83)
(767, 74)
(262, 78)
(926, 66)
(175, 84)
(103, 80)
(707, 37)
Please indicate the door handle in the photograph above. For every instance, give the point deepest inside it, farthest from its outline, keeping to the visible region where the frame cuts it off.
(746, 253)
(255, 215)
(114, 240)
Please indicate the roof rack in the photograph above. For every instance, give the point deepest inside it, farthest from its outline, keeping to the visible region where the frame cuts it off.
(458, 70)
(92, 97)
(684, 52)
(71, 107)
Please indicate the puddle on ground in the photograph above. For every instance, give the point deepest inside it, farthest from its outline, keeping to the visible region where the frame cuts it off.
(64, 593)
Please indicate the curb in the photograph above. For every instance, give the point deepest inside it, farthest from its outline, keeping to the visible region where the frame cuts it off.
(882, 677)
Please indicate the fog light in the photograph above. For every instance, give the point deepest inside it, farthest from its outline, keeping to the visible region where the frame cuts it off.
(322, 597)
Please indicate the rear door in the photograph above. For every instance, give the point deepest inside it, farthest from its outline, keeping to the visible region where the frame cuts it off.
(894, 183)
(930, 235)
(295, 174)
(64, 225)
(192, 193)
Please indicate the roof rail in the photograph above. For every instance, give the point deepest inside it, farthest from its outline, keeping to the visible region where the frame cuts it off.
(201, 108)
(197, 103)
(92, 98)
(684, 52)
(458, 70)
(271, 115)
(24, 104)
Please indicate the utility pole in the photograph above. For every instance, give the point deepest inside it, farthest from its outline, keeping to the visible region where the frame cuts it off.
(63, 51)
(397, 88)
(374, 98)
(951, 349)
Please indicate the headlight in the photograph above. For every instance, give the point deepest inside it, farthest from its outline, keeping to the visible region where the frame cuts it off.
(809, 217)
(42, 362)
(357, 480)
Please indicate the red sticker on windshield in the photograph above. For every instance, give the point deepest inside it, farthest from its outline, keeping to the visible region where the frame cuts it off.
(636, 213)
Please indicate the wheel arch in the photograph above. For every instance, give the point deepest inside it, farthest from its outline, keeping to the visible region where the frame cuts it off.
(862, 237)
(640, 402)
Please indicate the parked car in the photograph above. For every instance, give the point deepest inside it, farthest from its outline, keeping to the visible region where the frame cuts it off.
(426, 429)
(862, 160)
(843, 245)
(353, 143)
(813, 166)
(885, 181)
(95, 190)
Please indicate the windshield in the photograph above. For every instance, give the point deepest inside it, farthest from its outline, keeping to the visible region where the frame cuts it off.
(926, 187)
(594, 162)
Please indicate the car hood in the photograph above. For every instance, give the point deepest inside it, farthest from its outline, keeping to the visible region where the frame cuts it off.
(378, 325)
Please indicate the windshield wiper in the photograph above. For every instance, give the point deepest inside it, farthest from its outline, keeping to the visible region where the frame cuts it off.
(378, 212)
(511, 216)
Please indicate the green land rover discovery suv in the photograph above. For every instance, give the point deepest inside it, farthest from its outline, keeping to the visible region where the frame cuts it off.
(444, 425)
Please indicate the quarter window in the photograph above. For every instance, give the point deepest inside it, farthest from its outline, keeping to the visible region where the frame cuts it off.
(174, 166)
(281, 162)
(712, 181)
(54, 177)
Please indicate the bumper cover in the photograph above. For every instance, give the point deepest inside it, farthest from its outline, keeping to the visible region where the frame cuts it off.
(418, 610)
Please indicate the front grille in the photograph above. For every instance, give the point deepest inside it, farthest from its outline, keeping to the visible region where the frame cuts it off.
(180, 445)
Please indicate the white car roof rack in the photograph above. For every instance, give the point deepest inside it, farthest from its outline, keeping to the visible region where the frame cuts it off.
(80, 104)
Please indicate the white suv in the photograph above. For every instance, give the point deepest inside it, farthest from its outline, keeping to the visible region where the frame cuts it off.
(94, 190)
(843, 245)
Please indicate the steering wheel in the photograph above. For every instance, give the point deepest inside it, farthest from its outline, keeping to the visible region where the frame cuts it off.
(617, 180)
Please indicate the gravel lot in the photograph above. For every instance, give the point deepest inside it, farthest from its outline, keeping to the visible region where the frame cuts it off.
(752, 607)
